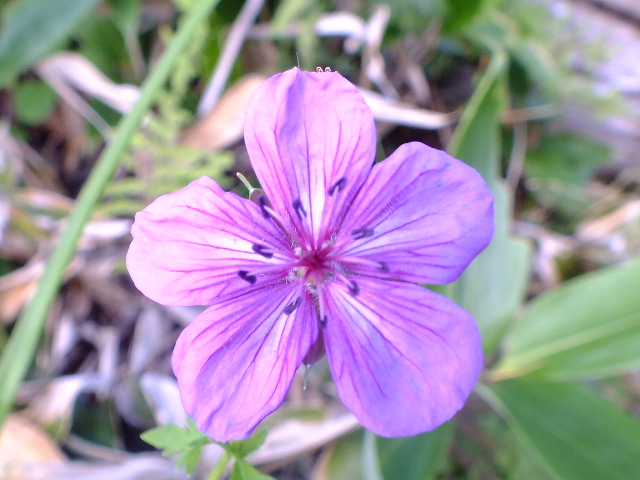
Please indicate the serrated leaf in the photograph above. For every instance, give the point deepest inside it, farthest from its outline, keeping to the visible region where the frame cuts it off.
(242, 448)
(32, 28)
(189, 459)
(172, 439)
(572, 432)
(588, 327)
(243, 470)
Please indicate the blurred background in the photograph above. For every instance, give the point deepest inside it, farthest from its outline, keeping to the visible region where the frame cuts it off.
(541, 96)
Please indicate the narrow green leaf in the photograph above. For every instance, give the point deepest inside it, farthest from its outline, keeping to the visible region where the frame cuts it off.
(370, 461)
(538, 63)
(126, 15)
(493, 286)
(477, 139)
(19, 351)
(286, 13)
(588, 327)
(573, 432)
(459, 13)
(344, 459)
(32, 28)
(243, 470)
(414, 458)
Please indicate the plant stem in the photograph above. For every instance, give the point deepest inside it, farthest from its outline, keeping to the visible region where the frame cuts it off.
(19, 352)
(220, 467)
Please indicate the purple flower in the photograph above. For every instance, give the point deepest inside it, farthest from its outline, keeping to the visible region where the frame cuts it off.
(327, 260)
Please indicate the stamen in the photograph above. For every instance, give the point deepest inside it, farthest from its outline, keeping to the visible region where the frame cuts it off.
(336, 187)
(266, 252)
(290, 308)
(363, 232)
(264, 203)
(356, 260)
(354, 289)
(323, 322)
(297, 206)
(244, 275)
(287, 227)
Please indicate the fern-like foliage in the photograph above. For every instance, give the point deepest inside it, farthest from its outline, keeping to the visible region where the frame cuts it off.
(157, 162)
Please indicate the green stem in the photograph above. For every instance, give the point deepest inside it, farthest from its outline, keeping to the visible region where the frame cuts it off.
(220, 467)
(19, 352)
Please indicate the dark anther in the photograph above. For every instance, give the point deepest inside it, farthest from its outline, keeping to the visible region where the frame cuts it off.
(323, 321)
(289, 309)
(354, 289)
(362, 233)
(262, 201)
(384, 267)
(297, 206)
(336, 187)
(262, 250)
(243, 274)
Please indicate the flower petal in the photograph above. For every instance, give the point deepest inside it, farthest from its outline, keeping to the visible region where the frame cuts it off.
(236, 361)
(422, 217)
(404, 358)
(311, 139)
(191, 247)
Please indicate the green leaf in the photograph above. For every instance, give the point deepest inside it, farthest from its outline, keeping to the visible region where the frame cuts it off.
(243, 470)
(242, 448)
(286, 13)
(344, 459)
(505, 262)
(573, 432)
(189, 459)
(34, 101)
(477, 139)
(126, 15)
(370, 461)
(493, 287)
(18, 353)
(172, 439)
(459, 13)
(588, 327)
(32, 28)
(567, 157)
(537, 62)
(414, 458)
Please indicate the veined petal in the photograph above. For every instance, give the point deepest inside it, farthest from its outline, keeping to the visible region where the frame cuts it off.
(422, 215)
(236, 361)
(311, 139)
(201, 245)
(404, 358)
